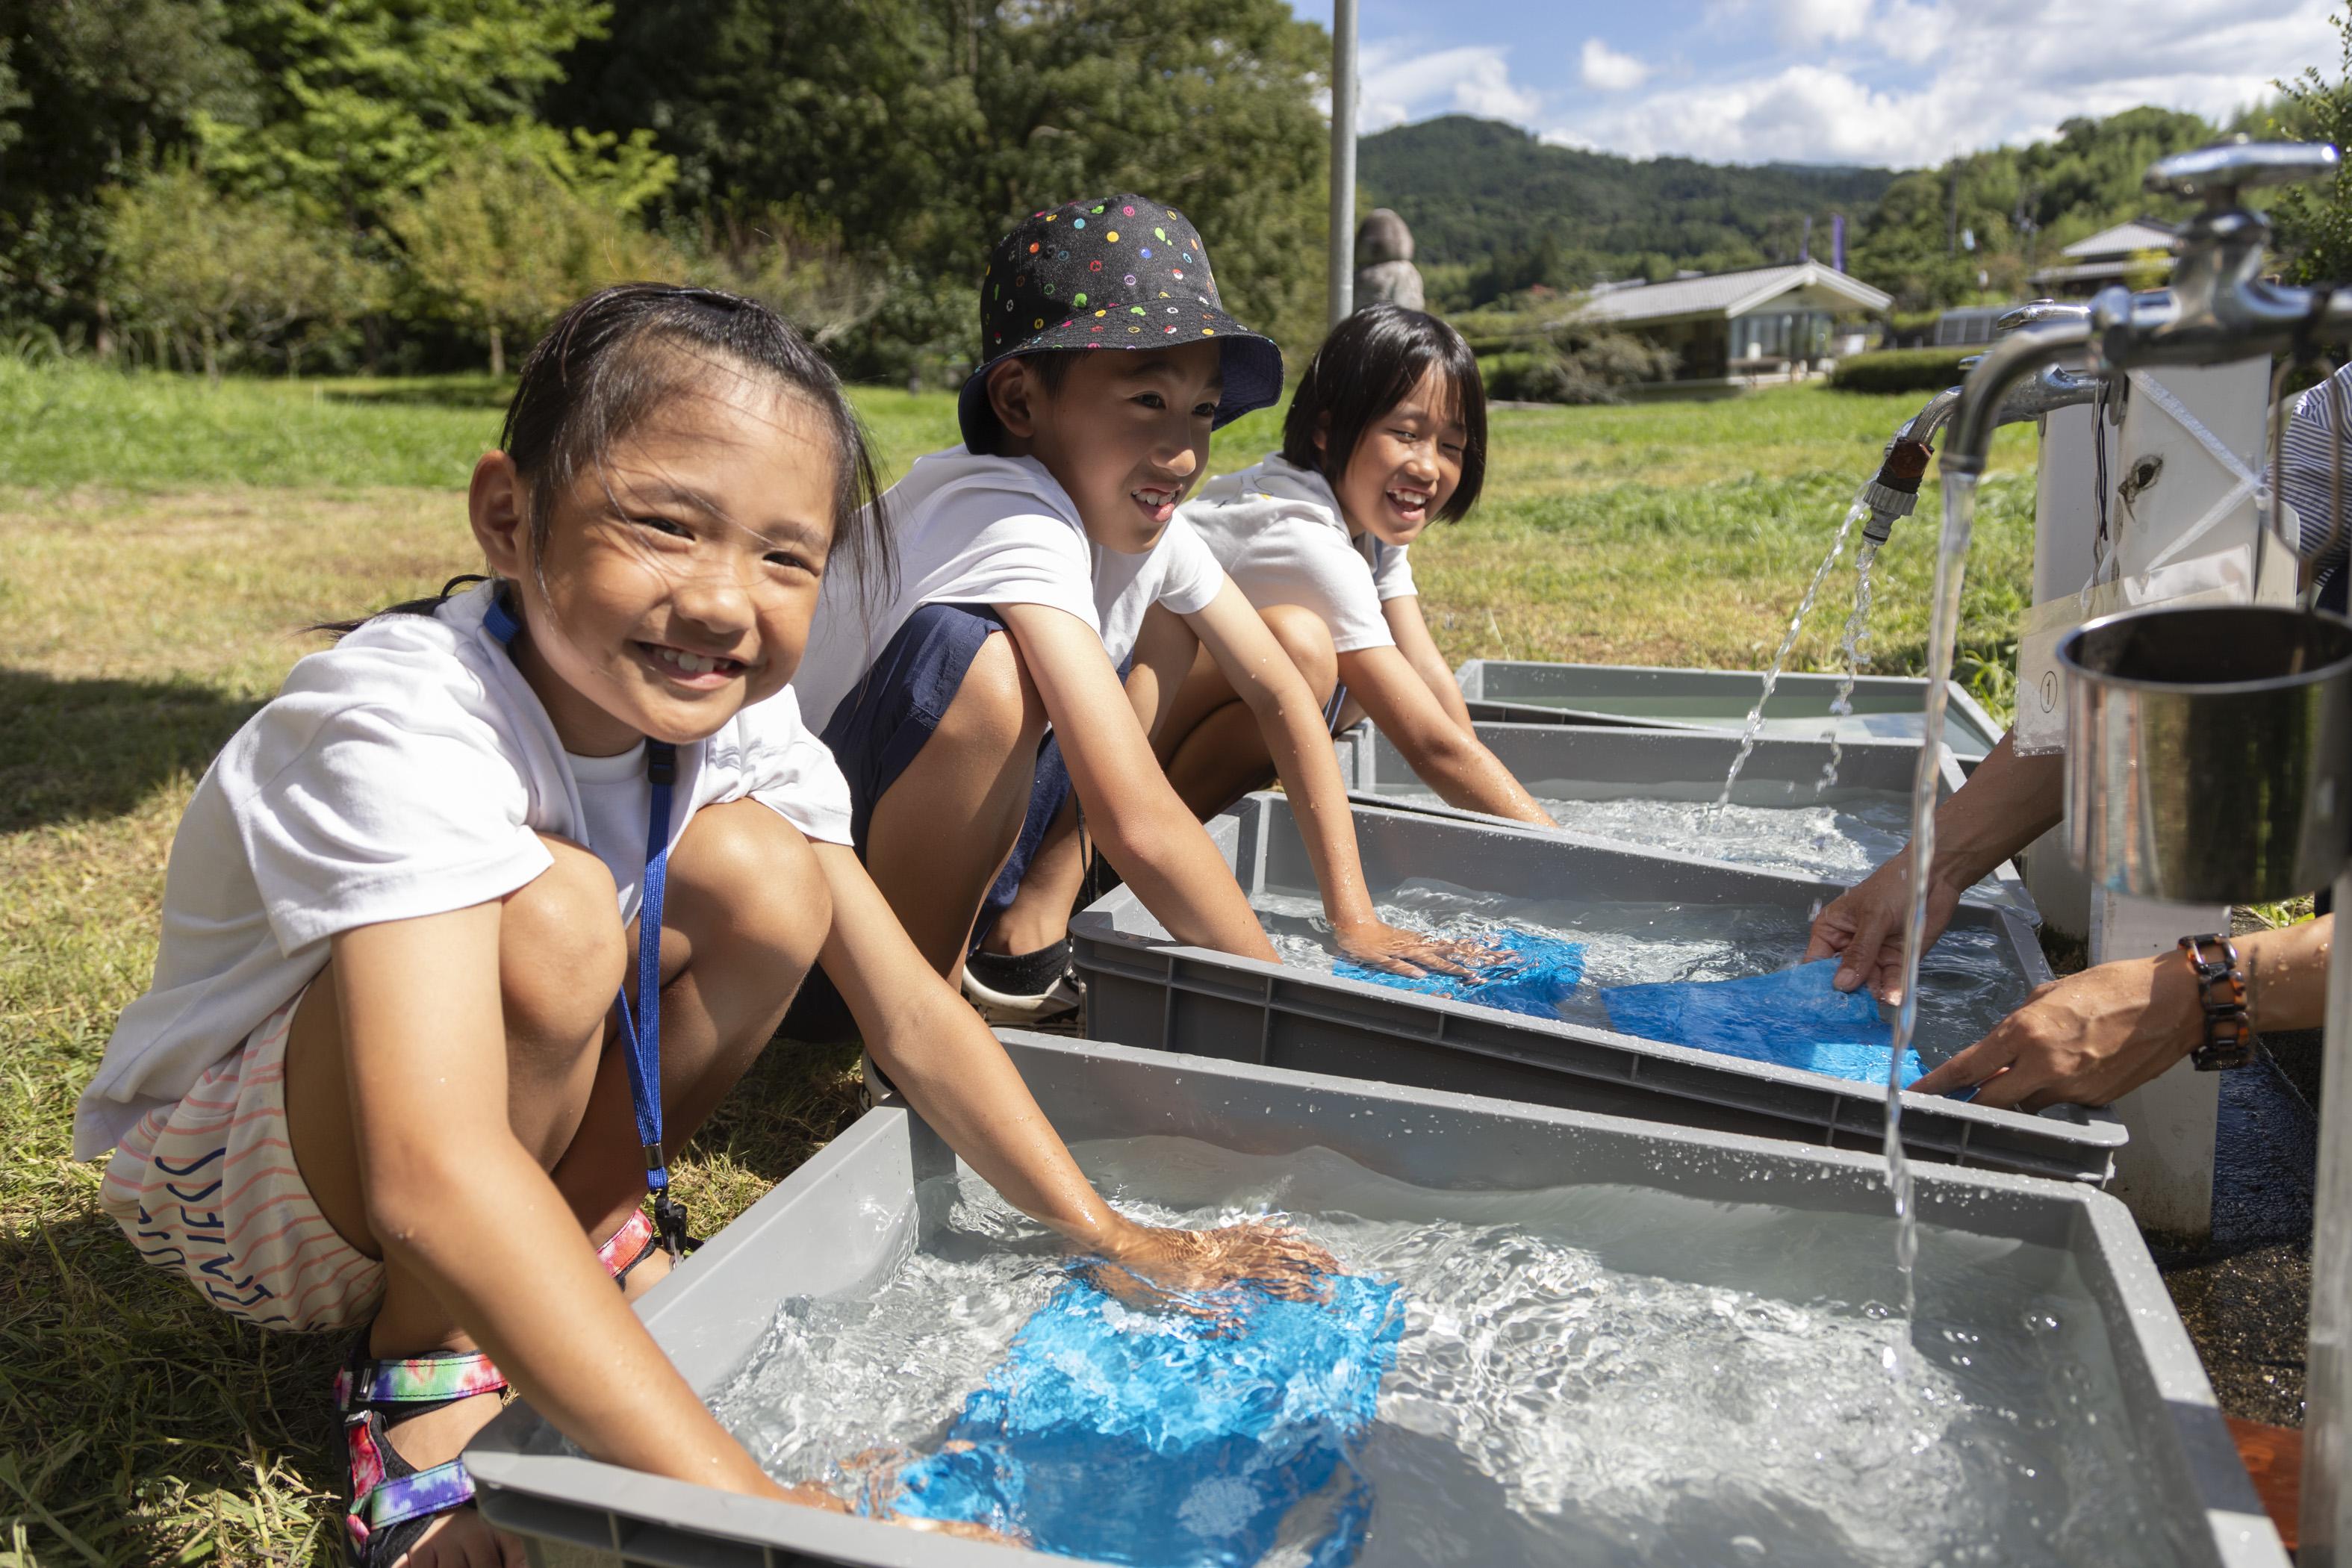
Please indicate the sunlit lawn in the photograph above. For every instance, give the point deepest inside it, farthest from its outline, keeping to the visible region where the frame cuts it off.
(162, 544)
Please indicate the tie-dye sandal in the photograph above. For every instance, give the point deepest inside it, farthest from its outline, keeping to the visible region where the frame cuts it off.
(392, 1502)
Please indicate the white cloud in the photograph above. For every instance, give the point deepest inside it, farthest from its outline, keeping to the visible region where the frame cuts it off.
(1603, 67)
(1395, 85)
(1921, 79)
(1804, 23)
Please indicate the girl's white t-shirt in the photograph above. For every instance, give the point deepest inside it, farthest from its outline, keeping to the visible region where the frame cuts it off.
(407, 770)
(973, 530)
(1277, 530)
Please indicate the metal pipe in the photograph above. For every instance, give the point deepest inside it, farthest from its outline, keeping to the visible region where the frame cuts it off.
(1895, 490)
(1342, 282)
(1982, 406)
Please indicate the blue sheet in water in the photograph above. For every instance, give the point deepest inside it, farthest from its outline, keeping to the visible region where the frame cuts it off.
(1795, 1018)
(1534, 975)
(1158, 1438)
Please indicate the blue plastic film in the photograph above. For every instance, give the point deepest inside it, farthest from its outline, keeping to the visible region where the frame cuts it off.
(1162, 1439)
(1534, 977)
(1795, 1018)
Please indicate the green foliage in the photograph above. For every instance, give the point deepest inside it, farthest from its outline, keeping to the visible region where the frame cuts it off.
(356, 99)
(519, 224)
(1518, 211)
(2022, 205)
(915, 130)
(2315, 225)
(88, 90)
(1900, 370)
(208, 278)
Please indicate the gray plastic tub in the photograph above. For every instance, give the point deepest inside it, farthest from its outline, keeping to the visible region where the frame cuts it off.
(1885, 707)
(1144, 989)
(840, 1223)
(1558, 761)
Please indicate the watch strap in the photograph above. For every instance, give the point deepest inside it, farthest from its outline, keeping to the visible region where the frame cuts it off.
(2229, 1036)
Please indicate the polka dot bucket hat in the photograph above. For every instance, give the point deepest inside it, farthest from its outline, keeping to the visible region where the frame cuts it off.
(1111, 272)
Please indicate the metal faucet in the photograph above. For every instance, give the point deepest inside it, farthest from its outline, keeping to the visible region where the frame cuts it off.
(2219, 309)
(1895, 490)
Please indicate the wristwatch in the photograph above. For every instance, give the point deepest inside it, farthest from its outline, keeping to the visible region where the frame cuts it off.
(2221, 992)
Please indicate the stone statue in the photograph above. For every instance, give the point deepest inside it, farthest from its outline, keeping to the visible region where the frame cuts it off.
(1384, 268)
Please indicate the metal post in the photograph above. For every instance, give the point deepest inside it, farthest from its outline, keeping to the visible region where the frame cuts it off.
(1342, 281)
(2327, 1524)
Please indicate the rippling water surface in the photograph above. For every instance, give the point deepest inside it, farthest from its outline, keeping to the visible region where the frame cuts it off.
(1605, 1375)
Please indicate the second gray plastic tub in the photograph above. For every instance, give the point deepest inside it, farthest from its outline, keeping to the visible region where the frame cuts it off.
(1885, 707)
(1145, 989)
(839, 1225)
(1559, 761)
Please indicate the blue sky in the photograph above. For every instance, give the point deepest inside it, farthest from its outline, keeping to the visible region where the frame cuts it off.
(1899, 82)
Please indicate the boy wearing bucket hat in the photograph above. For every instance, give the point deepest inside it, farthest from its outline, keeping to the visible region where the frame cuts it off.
(968, 698)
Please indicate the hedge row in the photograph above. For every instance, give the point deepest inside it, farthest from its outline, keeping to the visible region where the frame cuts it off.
(1902, 370)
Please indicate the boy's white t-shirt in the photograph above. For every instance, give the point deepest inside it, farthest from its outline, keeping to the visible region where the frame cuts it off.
(407, 770)
(1277, 529)
(973, 530)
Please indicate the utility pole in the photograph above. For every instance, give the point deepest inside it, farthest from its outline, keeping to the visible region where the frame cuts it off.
(1342, 278)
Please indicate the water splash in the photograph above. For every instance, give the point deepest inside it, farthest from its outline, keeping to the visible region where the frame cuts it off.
(1853, 650)
(1943, 637)
(1755, 725)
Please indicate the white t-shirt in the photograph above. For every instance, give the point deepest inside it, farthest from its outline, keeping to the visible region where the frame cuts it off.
(407, 770)
(972, 530)
(1277, 530)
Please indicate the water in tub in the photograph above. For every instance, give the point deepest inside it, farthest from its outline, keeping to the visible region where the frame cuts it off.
(1969, 982)
(1607, 1374)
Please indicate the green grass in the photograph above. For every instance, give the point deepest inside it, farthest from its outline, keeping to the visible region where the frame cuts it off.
(162, 542)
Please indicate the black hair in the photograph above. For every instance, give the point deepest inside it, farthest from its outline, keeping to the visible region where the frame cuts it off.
(1369, 363)
(616, 356)
(1050, 366)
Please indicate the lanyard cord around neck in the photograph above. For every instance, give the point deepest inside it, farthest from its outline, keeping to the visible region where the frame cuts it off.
(642, 1026)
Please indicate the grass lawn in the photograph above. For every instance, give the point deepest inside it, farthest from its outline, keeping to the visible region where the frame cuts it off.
(163, 542)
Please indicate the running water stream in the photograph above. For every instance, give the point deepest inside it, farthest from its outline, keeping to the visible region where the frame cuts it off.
(1853, 649)
(1943, 639)
(1755, 725)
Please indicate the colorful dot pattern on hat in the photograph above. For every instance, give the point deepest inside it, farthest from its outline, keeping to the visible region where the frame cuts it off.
(1071, 276)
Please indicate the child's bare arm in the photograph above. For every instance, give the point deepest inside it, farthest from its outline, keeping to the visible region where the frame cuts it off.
(1449, 757)
(1131, 809)
(957, 1076)
(1262, 675)
(1420, 649)
(455, 1198)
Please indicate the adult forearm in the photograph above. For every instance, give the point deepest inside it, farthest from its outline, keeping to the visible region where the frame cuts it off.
(2010, 802)
(2286, 974)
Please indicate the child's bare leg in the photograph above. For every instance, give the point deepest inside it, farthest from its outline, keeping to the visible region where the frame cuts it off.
(1216, 752)
(1039, 915)
(942, 830)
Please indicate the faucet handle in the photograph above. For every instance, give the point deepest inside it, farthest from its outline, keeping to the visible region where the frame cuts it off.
(2035, 311)
(2219, 171)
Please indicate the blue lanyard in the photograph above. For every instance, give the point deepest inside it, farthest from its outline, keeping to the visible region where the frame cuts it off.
(642, 1026)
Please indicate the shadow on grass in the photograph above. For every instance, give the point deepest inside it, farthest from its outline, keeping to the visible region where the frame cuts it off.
(72, 749)
(479, 390)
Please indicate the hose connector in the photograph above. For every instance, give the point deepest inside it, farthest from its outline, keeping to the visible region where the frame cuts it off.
(1895, 492)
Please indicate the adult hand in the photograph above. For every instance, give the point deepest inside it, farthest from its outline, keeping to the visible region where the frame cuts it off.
(1377, 945)
(2082, 1040)
(1150, 1263)
(1863, 927)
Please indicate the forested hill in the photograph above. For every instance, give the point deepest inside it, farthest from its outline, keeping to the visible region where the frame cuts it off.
(1481, 194)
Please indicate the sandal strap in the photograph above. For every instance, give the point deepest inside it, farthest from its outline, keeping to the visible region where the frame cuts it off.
(381, 1499)
(434, 1379)
(627, 1246)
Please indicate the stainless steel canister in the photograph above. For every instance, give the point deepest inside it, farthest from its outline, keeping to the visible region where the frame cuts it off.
(2209, 757)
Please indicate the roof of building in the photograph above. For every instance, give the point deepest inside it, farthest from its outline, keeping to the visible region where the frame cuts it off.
(2125, 239)
(1733, 293)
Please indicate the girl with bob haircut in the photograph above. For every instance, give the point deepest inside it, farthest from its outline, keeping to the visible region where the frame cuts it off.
(483, 913)
(1386, 433)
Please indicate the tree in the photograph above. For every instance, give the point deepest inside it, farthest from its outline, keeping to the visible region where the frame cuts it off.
(521, 223)
(89, 91)
(224, 275)
(919, 130)
(2314, 223)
